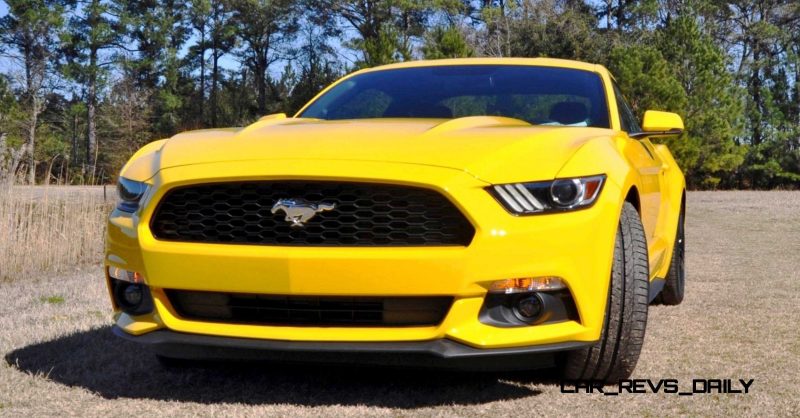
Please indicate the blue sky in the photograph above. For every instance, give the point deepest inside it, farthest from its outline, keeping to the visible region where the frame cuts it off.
(228, 61)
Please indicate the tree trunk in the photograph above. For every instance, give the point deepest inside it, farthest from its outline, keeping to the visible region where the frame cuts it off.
(74, 146)
(10, 159)
(91, 104)
(202, 103)
(755, 92)
(5, 165)
(30, 143)
(33, 102)
(260, 75)
(797, 88)
(214, 77)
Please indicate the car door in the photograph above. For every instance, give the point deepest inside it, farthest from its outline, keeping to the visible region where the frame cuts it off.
(646, 160)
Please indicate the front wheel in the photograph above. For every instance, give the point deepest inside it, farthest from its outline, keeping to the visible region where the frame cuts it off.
(615, 355)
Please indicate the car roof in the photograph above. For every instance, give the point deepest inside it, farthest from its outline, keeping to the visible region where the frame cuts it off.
(542, 62)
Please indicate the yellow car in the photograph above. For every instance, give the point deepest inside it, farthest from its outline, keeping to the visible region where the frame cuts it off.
(467, 213)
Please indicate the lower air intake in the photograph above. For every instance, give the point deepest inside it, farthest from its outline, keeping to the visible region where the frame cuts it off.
(247, 308)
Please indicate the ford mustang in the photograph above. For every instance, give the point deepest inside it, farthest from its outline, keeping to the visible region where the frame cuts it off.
(467, 213)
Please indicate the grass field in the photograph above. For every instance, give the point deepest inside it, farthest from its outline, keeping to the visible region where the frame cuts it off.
(739, 320)
(51, 229)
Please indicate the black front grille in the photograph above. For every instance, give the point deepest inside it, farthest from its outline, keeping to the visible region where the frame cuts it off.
(365, 214)
(247, 308)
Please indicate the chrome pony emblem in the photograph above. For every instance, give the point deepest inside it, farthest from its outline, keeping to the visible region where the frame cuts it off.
(300, 211)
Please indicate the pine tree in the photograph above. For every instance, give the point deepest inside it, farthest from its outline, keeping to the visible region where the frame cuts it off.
(713, 102)
(158, 29)
(266, 29)
(316, 62)
(223, 37)
(199, 16)
(29, 37)
(91, 32)
(446, 42)
(385, 28)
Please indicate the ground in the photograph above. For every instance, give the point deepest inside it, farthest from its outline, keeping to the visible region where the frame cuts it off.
(738, 320)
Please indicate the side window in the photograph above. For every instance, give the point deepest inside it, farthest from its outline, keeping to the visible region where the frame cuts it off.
(626, 116)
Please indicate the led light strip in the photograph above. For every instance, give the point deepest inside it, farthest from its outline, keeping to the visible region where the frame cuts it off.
(535, 202)
(508, 199)
(519, 198)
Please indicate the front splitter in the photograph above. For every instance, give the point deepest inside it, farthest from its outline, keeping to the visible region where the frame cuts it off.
(440, 353)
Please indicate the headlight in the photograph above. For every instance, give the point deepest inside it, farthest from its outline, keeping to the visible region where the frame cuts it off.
(130, 193)
(549, 196)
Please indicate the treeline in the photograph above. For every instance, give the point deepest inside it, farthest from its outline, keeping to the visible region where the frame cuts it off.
(86, 82)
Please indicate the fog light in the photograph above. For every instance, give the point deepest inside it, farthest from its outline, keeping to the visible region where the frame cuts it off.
(528, 308)
(132, 298)
(527, 284)
(133, 295)
(125, 275)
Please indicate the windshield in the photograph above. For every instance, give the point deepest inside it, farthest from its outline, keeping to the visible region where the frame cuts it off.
(538, 95)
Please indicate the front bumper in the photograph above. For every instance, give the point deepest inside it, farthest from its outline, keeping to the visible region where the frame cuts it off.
(576, 246)
(437, 353)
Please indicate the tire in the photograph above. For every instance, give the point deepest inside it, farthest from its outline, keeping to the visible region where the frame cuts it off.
(615, 355)
(674, 284)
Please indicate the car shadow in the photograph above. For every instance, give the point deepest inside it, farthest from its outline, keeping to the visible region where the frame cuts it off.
(113, 368)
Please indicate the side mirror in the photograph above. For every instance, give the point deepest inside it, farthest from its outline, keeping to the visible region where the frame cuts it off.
(657, 123)
(272, 116)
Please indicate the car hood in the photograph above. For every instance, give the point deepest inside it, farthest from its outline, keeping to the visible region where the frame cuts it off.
(493, 149)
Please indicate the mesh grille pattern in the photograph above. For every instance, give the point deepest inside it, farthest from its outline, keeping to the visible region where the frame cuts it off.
(364, 215)
(309, 310)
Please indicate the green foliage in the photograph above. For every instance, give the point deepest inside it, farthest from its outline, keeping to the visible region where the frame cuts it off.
(380, 50)
(28, 40)
(385, 29)
(446, 42)
(132, 71)
(265, 28)
(88, 34)
(683, 71)
(713, 102)
(647, 78)
(10, 115)
(772, 164)
(569, 33)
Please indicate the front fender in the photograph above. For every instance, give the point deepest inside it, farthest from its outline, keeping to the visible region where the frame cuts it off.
(606, 155)
(144, 163)
(603, 155)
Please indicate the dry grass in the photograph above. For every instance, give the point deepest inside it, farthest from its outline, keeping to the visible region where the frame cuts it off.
(50, 229)
(739, 320)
